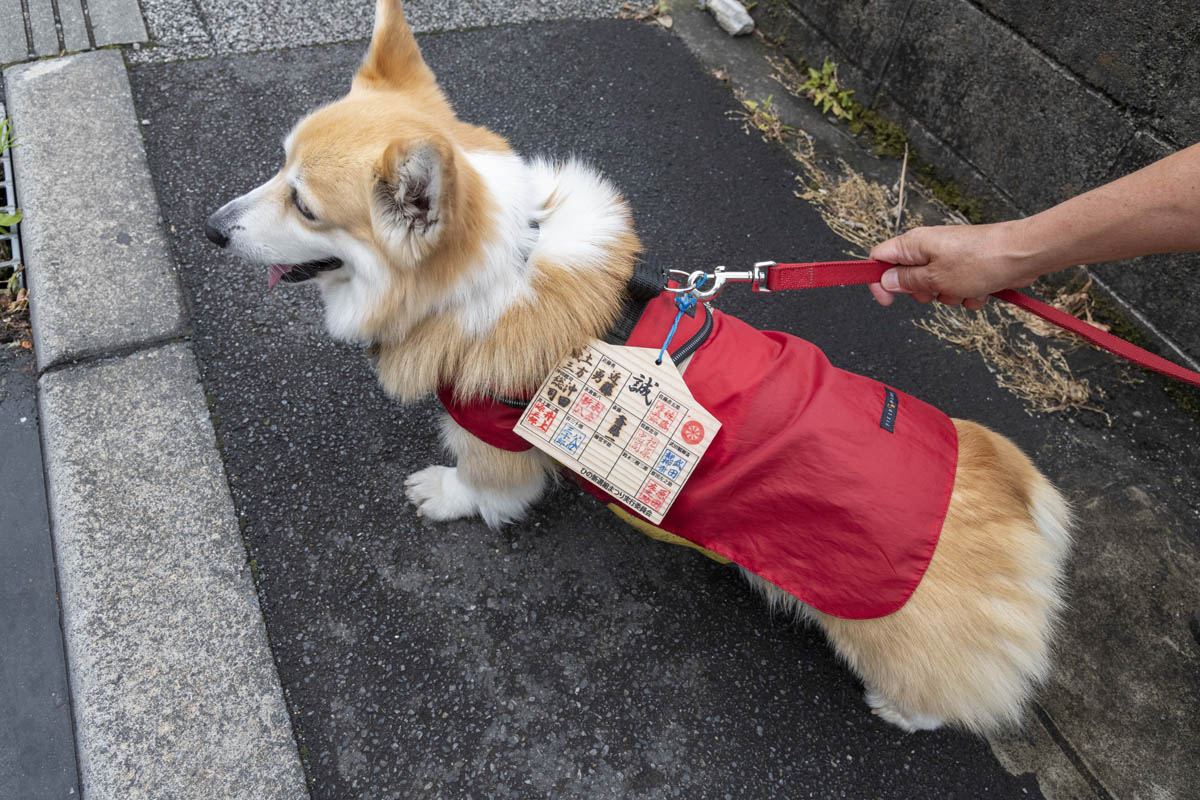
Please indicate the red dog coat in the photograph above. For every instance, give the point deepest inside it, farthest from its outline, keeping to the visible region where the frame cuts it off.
(829, 485)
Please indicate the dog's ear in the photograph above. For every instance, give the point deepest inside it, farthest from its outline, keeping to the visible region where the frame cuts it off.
(393, 59)
(414, 184)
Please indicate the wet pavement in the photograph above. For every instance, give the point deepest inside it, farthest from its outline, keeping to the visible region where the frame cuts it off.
(37, 748)
(567, 655)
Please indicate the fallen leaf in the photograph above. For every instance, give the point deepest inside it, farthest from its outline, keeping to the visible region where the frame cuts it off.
(25, 343)
(666, 21)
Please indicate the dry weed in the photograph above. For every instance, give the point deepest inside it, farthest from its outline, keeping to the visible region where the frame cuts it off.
(1070, 300)
(655, 13)
(14, 316)
(862, 212)
(786, 74)
(1041, 377)
(865, 213)
(1000, 334)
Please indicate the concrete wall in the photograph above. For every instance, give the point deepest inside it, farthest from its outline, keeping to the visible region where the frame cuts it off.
(1027, 102)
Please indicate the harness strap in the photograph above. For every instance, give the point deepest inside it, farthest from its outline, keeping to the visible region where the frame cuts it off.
(818, 274)
(647, 282)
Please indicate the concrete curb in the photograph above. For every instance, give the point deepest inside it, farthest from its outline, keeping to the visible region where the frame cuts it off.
(174, 687)
(99, 267)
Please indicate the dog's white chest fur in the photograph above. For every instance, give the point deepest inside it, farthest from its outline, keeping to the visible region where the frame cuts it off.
(561, 214)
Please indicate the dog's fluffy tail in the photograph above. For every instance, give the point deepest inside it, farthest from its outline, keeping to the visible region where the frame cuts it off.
(1053, 517)
(974, 641)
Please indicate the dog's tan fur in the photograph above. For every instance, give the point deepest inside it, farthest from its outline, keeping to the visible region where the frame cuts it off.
(971, 644)
(572, 309)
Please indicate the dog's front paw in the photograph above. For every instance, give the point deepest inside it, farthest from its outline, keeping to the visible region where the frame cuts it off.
(439, 494)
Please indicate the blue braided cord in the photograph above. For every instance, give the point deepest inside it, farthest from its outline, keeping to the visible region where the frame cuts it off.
(685, 303)
(670, 335)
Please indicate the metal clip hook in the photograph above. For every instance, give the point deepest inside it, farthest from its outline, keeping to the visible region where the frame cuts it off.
(714, 282)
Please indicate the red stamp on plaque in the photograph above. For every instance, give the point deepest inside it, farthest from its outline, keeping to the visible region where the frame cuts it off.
(654, 495)
(692, 432)
(541, 417)
(589, 409)
(644, 445)
(663, 416)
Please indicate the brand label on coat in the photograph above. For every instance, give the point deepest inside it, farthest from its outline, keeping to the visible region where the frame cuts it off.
(891, 405)
(626, 424)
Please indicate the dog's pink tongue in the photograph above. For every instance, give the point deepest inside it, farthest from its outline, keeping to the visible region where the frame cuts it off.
(277, 271)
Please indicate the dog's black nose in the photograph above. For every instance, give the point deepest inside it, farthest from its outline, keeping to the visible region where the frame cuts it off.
(217, 237)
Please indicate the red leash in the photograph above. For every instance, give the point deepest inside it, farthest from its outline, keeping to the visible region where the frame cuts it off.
(846, 273)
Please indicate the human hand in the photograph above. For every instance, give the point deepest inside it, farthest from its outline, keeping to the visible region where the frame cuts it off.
(954, 264)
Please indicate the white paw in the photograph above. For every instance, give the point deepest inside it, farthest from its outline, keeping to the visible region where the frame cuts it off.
(906, 721)
(439, 494)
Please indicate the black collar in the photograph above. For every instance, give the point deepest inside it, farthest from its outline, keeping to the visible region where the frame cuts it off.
(647, 282)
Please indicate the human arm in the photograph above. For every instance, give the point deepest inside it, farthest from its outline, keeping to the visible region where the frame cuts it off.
(1153, 210)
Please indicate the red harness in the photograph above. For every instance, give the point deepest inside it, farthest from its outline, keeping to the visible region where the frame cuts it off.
(829, 485)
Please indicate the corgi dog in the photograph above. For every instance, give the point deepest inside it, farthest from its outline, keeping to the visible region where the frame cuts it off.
(471, 272)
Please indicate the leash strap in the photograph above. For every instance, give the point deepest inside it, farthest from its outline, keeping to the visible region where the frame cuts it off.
(1112, 344)
(818, 274)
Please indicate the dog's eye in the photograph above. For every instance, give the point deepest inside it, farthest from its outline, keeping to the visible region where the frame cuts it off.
(303, 209)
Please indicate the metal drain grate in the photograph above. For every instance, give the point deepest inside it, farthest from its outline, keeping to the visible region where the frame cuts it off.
(10, 241)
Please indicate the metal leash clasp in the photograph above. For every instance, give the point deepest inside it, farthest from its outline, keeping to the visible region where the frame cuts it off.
(705, 286)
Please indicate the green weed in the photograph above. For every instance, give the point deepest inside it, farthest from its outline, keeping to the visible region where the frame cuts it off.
(824, 89)
(762, 117)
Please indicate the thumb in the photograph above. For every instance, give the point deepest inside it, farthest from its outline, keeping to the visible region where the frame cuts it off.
(903, 249)
(908, 280)
(906, 252)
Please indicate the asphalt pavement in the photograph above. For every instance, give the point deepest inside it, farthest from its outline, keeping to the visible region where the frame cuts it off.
(567, 655)
(37, 748)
